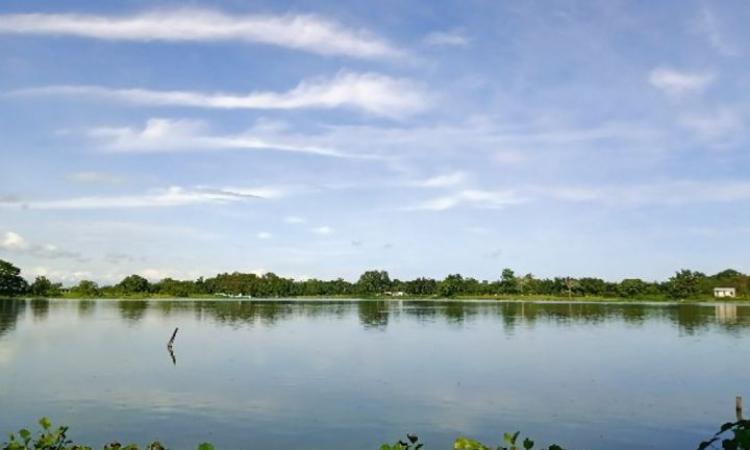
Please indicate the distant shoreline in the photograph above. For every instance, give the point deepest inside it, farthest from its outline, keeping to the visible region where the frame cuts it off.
(389, 299)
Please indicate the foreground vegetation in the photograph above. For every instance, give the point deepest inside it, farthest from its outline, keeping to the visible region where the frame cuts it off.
(731, 436)
(685, 284)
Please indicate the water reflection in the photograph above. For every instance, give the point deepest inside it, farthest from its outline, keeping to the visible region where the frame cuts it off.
(9, 312)
(86, 308)
(170, 350)
(292, 374)
(39, 308)
(689, 318)
(132, 310)
(373, 315)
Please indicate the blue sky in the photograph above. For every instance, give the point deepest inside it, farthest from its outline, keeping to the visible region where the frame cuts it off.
(327, 138)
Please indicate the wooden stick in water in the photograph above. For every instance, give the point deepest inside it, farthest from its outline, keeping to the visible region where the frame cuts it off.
(171, 340)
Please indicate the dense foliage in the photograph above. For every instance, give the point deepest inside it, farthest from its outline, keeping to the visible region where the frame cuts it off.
(50, 438)
(685, 284)
(11, 283)
(731, 436)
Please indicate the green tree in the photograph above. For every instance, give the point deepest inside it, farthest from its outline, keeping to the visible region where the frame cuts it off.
(422, 286)
(134, 284)
(43, 287)
(592, 286)
(508, 282)
(632, 288)
(451, 286)
(373, 282)
(11, 282)
(86, 288)
(685, 284)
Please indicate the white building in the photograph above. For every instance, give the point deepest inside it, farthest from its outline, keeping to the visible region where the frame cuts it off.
(724, 292)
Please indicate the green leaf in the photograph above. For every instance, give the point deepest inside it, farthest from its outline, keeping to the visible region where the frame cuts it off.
(25, 434)
(463, 443)
(528, 444)
(205, 446)
(45, 423)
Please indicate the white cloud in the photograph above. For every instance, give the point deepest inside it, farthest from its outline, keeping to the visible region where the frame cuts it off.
(168, 135)
(301, 32)
(446, 180)
(95, 178)
(480, 230)
(669, 193)
(672, 193)
(709, 25)
(372, 93)
(323, 230)
(508, 157)
(294, 220)
(103, 232)
(264, 235)
(718, 128)
(677, 83)
(473, 198)
(13, 241)
(446, 38)
(172, 196)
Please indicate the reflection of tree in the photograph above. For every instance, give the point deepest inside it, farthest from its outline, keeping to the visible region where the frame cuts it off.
(373, 314)
(509, 313)
(689, 318)
(9, 312)
(456, 311)
(244, 312)
(39, 308)
(86, 308)
(132, 310)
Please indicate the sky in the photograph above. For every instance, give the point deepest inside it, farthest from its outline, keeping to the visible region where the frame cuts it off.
(323, 138)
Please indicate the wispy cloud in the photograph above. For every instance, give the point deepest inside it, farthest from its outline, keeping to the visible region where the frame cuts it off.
(446, 180)
(709, 25)
(95, 178)
(294, 220)
(294, 31)
(172, 196)
(322, 230)
(372, 93)
(671, 193)
(635, 195)
(453, 38)
(175, 135)
(718, 128)
(264, 235)
(472, 198)
(508, 157)
(678, 83)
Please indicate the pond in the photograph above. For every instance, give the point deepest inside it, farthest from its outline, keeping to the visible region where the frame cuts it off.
(328, 374)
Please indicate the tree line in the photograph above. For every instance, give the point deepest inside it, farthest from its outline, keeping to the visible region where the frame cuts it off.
(684, 284)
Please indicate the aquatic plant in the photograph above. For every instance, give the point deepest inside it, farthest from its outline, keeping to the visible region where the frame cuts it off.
(731, 436)
(50, 438)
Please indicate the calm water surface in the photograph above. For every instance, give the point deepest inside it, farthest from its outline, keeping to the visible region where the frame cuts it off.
(351, 375)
